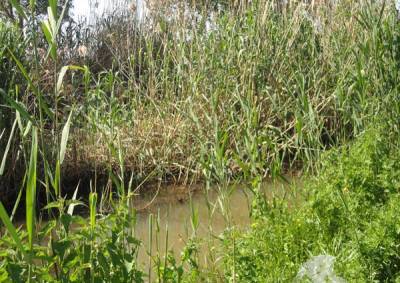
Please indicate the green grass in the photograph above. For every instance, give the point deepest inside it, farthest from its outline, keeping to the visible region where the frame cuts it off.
(349, 212)
(261, 89)
(267, 91)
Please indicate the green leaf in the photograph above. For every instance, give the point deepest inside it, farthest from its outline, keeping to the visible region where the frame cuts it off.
(49, 38)
(60, 247)
(64, 138)
(53, 6)
(61, 78)
(59, 22)
(23, 71)
(53, 23)
(32, 86)
(20, 10)
(11, 229)
(47, 31)
(32, 4)
(17, 201)
(3, 162)
(56, 183)
(27, 129)
(62, 73)
(49, 35)
(46, 230)
(31, 189)
(54, 204)
(66, 220)
(19, 121)
(17, 106)
(92, 207)
(71, 207)
(103, 263)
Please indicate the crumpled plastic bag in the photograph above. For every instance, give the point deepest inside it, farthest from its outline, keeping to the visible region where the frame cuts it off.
(319, 269)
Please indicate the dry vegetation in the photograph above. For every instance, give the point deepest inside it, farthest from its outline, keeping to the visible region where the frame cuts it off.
(226, 93)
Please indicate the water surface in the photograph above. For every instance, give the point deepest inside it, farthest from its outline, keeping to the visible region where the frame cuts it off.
(216, 210)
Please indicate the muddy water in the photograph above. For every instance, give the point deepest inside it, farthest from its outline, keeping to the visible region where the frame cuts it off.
(216, 211)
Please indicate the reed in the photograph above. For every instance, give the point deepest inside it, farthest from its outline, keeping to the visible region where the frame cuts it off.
(221, 94)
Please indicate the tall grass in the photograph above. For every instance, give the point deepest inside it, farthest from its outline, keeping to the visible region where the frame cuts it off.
(265, 90)
(261, 88)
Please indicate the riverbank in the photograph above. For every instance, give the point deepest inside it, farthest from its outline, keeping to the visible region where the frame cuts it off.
(349, 213)
(274, 92)
(270, 89)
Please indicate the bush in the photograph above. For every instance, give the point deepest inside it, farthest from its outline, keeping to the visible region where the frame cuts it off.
(350, 212)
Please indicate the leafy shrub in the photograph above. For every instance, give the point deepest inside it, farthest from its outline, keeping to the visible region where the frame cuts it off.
(103, 250)
(350, 212)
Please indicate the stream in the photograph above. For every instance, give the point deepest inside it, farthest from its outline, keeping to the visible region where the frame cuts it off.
(216, 211)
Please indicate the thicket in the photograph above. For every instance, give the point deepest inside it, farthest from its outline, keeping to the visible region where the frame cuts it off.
(236, 93)
(348, 211)
(252, 85)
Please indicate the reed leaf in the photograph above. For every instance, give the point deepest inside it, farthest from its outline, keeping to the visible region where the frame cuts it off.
(71, 207)
(3, 162)
(11, 229)
(92, 208)
(20, 10)
(17, 106)
(31, 189)
(33, 87)
(64, 138)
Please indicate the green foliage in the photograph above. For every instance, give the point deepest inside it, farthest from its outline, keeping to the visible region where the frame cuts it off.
(10, 39)
(349, 211)
(77, 251)
(266, 89)
(260, 92)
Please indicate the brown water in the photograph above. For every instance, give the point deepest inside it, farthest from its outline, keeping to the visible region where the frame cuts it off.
(216, 210)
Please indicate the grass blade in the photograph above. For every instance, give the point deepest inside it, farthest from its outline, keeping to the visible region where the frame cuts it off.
(64, 138)
(17, 106)
(11, 229)
(19, 8)
(92, 207)
(31, 189)
(3, 162)
(71, 207)
(53, 6)
(18, 200)
(49, 37)
(27, 77)
(61, 78)
(60, 19)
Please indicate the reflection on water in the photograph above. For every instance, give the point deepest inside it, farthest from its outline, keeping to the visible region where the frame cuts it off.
(216, 211)
(172, 209)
